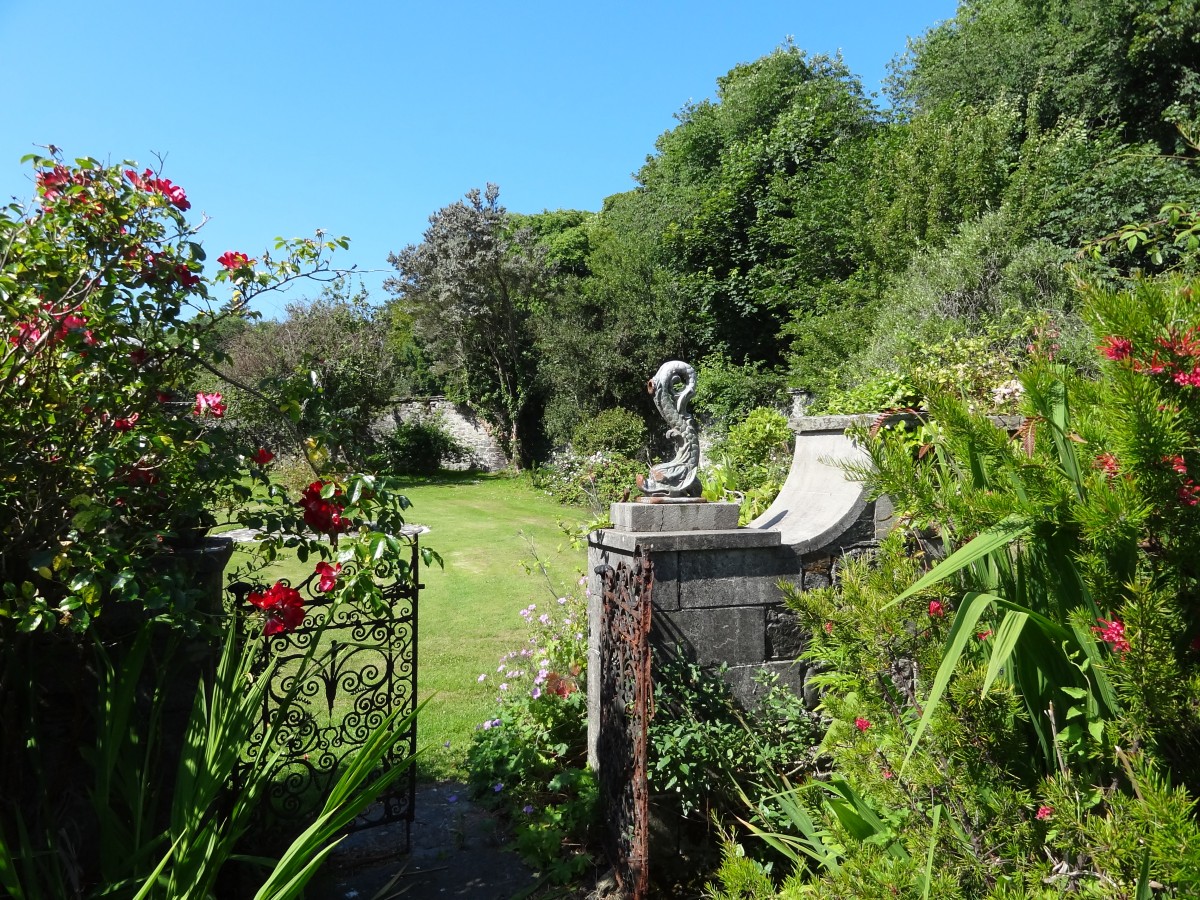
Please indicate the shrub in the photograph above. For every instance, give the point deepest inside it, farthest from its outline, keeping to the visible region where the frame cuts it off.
(751, 462)
(417, 447)
(594, 481)
(726, 392)
(612, 432)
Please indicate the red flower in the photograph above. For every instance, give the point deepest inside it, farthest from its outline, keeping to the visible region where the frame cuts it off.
(208, 403)
(329, 575)
(126, 423)
(1044, 812)
(282, 606)
(983, 635)
(829, 628)
(1107, 463)
(1113, 634)
(148, 181)
(232, 259)
(185, 276)
(323, 514)
(936, 609)
(1177, 463)
(262, 456)
(1195, 644)
(563, 687)
(862, 724)
(1116, 348)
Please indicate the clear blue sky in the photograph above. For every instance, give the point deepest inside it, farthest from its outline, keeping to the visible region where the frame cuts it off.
(363, 118)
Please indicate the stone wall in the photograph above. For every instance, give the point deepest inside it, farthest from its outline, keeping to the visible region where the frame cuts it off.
(463, 424)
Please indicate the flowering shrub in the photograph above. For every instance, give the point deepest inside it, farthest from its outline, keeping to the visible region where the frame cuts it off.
(1042, 678)
(594, 481)
(106, 448)
(530, 759)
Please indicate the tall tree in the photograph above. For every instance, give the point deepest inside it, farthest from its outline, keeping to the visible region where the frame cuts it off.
(471, 287)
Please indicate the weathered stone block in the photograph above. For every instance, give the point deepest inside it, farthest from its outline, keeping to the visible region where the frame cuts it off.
(733, 577)
(657, 517)
(736, 636)
(785, 638)
(746, 690)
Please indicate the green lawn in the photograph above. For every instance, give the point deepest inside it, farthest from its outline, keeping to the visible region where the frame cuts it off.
(468, 614)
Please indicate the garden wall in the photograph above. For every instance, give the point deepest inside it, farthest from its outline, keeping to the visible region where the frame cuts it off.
(463, 424)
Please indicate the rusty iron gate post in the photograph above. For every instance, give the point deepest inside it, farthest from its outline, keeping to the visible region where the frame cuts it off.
(626, 706)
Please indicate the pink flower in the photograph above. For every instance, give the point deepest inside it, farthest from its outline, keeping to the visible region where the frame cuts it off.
(282, 606)
(1177, 463)
(936, 609)
(262, 456)
(329, 576)
(1113, 634)
(829, 628)
(1044, 812)
(232, 259)
(210, 403)
(862, 724)
(1116, 348)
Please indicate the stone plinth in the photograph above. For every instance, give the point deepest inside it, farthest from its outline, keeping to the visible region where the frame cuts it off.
(666, 516)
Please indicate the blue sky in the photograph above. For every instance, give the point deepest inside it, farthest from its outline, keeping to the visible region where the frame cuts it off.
(363, 118)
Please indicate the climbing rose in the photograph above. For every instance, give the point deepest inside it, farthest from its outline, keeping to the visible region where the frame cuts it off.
(262, 456)
(150, 182)
(208, 403)
(126, 423)
(282, 607)
(1116, 348)
(862, 724)
(232, 259)
(1113, 634)
(187, 278)
(936, 609)
(329, 575)
(322, 514)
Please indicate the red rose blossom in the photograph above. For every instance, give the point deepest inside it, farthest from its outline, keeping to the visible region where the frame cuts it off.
(323, 514)
(282, 606)
(329, 576)
(210, 403)
(232, 259)
(126, 423)
(262, 456)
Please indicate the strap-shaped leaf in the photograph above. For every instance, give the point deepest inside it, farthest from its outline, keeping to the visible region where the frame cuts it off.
(1006, 639)
(980, 546)
(973, 606)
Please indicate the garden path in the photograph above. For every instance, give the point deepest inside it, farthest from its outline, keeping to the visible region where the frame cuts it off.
(458, 851)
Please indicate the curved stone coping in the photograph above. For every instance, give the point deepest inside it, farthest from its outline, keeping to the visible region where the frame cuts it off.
(817, 502)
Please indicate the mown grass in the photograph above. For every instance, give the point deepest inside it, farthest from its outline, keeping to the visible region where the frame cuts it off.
(485, 527)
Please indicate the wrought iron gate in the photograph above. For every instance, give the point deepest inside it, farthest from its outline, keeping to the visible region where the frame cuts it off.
(626, 706)
(368, 671)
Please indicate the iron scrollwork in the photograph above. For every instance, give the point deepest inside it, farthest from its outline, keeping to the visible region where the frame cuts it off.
(366, 669)
(626, 707)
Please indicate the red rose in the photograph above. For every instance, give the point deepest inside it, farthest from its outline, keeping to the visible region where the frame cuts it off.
(329, 575)
(262, 456)
(282, 607)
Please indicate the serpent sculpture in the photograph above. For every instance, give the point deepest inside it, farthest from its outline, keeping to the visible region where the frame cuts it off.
(676, 477)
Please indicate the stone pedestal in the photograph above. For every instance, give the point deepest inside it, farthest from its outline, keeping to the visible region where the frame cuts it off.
(716, 593)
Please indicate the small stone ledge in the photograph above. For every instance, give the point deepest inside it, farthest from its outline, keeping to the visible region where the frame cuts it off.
(661, 541)
(660, 517)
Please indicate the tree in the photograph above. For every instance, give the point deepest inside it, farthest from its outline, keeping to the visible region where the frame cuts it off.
(471, 287)
(335, 356)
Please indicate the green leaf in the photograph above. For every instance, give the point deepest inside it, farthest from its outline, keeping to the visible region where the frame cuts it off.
(1005, 639)
(975, 550)
(973, 606)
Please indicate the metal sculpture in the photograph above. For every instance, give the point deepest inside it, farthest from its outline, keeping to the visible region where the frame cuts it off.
(673, 387)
